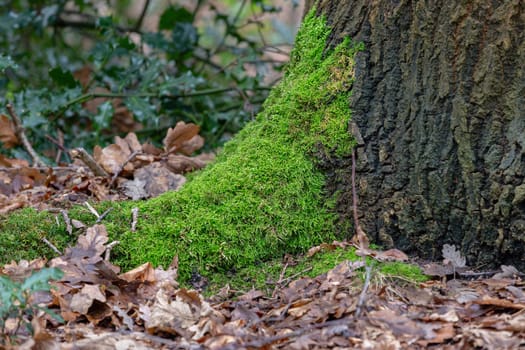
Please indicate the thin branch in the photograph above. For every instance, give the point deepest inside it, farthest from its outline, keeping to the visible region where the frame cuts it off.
(362, 296)
(52, 246)
(60, 145)
(108, 249)
(103, 215)
(121, 167)
(134, 218)
(354, 191)
(142, 15)
(67, 220)
(280, 281)
(228, 24)
(92, 210)
(89, 24)
(93, 95)
(87, 159)
(20, 133)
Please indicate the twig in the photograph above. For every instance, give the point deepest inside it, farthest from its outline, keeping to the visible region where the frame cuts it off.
(90, 162)
(362, 296)
(121, 167)
(60, 144)
(281, 277)
(92, 210)
(362, 239)
(354, 192)
(92, 95)
(20, 133)
(108, 249)
(45, 168)
(142, 15)
(294, 276)
(52, 246)
(103, 215)
(10, 207)
(67, 220)
(134, 218)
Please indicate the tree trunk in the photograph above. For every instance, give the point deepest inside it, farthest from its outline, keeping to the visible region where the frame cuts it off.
(439, 100)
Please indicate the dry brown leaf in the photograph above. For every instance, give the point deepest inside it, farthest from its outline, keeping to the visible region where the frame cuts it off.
(449, 316)
(83, 75)
(391, 255)
(143, 273)
(112, 157)
(133, 142)
(13, 163)
(320, 248)
(82, 301)
(176, 137)
(22, 269)
(123, 120)
(504, 303)
(123, 144)
(192, 145)
(180, 164)
(149, 148)
(168, 315)
(360, 239)
(433, 269)
(156, 179)
(94, 240)
(7, 132)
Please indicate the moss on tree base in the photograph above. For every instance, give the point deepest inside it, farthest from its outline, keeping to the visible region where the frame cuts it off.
(262, 197)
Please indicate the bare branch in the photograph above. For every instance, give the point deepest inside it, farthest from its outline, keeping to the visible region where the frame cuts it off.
(20, 133)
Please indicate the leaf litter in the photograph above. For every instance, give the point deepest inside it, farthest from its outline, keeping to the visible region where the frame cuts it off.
(146, 308)
(122, 170)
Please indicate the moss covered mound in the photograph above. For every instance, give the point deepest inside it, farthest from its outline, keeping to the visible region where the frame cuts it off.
(263, 196)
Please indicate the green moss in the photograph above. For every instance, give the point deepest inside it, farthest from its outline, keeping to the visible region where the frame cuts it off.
(407, 271)
(264, 195)
(264, 276)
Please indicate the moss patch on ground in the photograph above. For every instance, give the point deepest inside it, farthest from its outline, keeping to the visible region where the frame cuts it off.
(263, 196)
(264, 276)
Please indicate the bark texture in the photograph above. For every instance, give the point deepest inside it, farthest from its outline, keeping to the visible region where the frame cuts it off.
(439, 100)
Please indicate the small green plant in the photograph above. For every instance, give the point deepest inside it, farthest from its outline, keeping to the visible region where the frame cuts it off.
(16, 300)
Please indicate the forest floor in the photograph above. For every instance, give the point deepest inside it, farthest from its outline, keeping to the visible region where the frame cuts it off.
(351, 306)
(340, 295)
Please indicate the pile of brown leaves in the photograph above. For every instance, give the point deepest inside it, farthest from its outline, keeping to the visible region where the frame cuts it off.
(125, 169)
(145, 308)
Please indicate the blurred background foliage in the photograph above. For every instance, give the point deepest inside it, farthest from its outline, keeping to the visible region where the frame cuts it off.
(80, 72)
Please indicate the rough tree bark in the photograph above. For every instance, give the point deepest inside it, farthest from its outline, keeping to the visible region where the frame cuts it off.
(439, 100)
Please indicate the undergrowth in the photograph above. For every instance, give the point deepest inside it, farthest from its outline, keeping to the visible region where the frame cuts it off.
(263, 196)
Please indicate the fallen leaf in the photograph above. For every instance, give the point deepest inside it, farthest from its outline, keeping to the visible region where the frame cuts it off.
(176, 137)
(450, 254)
(7, 132)
(391, 255)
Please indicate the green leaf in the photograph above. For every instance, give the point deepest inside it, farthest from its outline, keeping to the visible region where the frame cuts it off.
(104, 115)
(174, 15)
(141, 108)
(6, 62)
(63, 78)
(105, 22)
(51, 313)
(39, 280)
(184, 38)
